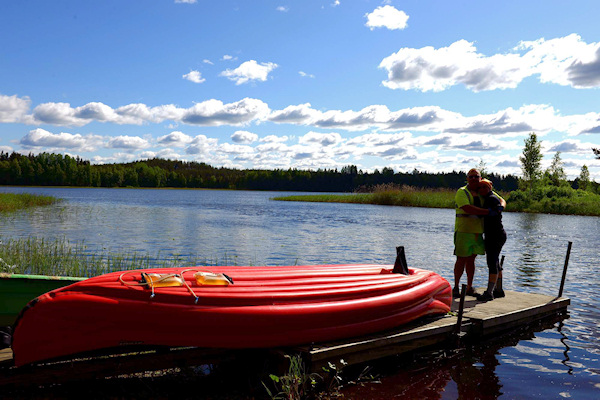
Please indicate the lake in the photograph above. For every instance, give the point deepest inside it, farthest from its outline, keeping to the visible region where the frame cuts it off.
(248, 228)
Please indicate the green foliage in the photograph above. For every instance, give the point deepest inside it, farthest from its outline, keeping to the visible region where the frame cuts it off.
(584, 178)
(531, 160)
(297, 384)
(542, 199)
(551, 199)
(55, 169)
(556, 172)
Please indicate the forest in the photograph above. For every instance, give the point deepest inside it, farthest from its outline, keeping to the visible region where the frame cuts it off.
(49, 169)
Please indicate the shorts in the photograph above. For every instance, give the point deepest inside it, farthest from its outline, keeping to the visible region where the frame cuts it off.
(467, 244)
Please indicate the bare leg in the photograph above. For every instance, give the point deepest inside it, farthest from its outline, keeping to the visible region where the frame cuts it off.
(470, 267)
(459, 268)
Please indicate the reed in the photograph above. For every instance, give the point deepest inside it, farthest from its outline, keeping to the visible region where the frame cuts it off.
(18, 201)
(389, 195)
(61, 257)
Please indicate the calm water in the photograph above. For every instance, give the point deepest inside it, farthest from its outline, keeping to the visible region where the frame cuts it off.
(247, 228)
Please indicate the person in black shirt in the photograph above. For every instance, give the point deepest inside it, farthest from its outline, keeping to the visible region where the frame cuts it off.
(494, 239)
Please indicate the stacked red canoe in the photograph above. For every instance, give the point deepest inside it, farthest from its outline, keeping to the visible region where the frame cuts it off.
(264, 307)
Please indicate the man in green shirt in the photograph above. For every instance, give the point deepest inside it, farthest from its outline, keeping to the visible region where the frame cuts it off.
(468, 230)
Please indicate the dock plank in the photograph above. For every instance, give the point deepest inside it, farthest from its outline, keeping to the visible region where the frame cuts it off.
(516, 309)
(417, 334)
(480, 319)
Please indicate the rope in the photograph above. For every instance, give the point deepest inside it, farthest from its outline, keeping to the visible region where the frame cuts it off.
(162, 278)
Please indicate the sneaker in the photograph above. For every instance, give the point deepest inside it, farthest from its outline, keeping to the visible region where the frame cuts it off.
(455, 292)
(498, 293)
(472, 292)
(486, 296)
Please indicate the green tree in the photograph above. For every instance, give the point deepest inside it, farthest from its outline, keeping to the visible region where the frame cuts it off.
(597, 153)
(531, 160)
(584, 178)
(482, 168)
(556, 172)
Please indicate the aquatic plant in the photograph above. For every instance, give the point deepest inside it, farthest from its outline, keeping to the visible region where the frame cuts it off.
(59, 256)
(296, 384)
(18, 201)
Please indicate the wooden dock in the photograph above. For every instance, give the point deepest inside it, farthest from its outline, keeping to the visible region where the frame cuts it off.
(478, 321)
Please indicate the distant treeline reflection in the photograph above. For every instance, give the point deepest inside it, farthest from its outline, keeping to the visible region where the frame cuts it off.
(57, 170)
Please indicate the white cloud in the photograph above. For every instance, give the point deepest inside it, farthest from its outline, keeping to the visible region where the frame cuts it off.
(249, 71)
(128, 142)
(244, 137)
(305, 75)
(563, 61)
(227, 57)
(573, 146)
(567, 61)
(324, 139)
(201, 145)
(386, 17)
(194, 76)
(540, 118)
(274, 139)
(13, 108)
(38, 138)
(214, 112)
(186, 1)
(283, 8)
(207, 61)
(175, 138)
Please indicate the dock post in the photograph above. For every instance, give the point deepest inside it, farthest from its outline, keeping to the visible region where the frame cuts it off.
(461, 307)
(564, 274)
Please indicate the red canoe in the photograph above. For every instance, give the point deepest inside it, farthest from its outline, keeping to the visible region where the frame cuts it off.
(263, 307)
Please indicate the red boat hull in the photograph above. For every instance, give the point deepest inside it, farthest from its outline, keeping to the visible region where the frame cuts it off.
(265, 307)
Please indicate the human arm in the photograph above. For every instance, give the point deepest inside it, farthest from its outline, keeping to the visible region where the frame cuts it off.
(502, 201)
(474, 210)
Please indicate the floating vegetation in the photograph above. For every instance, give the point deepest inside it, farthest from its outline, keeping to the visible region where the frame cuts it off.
(18, 201)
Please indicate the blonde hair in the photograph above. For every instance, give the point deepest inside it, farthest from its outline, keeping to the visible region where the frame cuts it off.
(486, 182)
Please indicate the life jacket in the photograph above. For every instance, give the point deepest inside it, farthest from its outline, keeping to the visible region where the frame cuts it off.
(466, 222)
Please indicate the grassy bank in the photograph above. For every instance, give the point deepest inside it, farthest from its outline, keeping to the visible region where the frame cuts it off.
(407, 196)
(63, 258)
(544, 199)
(18, 201)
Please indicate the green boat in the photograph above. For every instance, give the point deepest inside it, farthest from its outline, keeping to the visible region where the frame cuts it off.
(16, 290)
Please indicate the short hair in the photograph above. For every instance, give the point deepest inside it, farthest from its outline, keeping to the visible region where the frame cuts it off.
(486, 182)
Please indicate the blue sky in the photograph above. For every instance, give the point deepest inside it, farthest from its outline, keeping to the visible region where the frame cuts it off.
(432, 85)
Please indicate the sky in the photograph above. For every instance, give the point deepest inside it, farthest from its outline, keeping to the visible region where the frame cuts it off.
(436, 86)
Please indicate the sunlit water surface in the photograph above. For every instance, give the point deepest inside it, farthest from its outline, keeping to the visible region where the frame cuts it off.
(248, 228)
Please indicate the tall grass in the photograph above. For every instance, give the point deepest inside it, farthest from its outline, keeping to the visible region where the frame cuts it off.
(546, 199)
(389, 195)
(18, 201)
(63, 258)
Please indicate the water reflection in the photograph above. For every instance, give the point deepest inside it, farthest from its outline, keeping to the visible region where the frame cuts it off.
(563, 339)
(246, 228)
(475, 371)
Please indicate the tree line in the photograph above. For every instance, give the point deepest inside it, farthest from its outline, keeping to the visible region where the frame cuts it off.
(49, 169)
